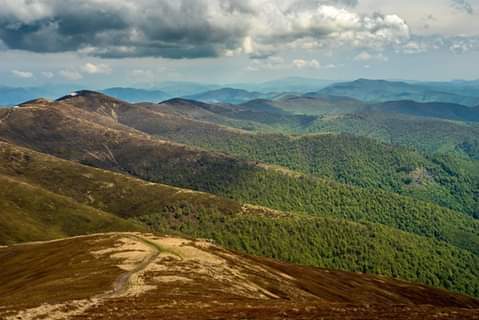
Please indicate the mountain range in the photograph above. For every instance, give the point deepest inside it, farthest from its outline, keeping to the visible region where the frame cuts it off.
(371, 91)
(380, 189)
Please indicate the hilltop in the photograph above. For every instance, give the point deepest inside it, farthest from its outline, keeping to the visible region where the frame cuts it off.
(141, 275)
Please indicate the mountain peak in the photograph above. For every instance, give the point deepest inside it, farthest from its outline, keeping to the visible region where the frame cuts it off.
(184, 101)
(35, 102)
(85, 94)
(93, 101)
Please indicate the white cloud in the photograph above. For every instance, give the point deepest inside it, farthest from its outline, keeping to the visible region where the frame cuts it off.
(366, 56)
(269, 63)
(327, 25)
(456, 45)
(92, 68)
(414, 47)
(71, 75)
(302, 64)
(279, 63)
(363, 56)
(23, 74)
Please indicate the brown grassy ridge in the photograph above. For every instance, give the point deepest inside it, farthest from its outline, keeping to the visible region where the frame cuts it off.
(191, 278)
(123, 195)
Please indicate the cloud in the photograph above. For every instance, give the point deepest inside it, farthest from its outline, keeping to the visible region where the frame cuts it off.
(366, 56)
(453, 44)
(71, 75)
(279, 63)
(23, 74)
(302, 64)
(92, 68)
(190, 29)
(331, 26)
(122, 28)
(329, 66)
(415, 47)
(462, 5)
(269, 63)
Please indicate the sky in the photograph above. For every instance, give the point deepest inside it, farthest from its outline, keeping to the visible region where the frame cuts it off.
(142, 43)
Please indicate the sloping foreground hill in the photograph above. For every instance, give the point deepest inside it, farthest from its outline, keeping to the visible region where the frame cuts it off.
(141, 276)
(67, 132)
(312, 240)
(28, 212)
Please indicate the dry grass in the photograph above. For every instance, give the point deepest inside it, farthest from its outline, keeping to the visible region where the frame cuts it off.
(174, 278)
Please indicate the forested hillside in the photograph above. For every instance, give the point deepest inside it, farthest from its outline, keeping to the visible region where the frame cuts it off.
(344, 158)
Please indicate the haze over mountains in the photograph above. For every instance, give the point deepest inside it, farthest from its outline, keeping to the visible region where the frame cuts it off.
(458, 92)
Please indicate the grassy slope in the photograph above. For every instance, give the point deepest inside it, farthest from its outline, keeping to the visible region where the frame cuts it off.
(319, 241)
(32, 213)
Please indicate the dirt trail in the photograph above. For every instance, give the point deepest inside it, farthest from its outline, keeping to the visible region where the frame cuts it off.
(6, 116)
(124, 282)
(121, 287)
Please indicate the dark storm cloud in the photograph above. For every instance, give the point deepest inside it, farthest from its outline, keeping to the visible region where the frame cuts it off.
(174, 29)
(187, 28)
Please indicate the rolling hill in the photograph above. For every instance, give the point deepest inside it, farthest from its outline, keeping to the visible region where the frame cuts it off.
(57, 129)
(228, 95)
(346, 159)
(426, 134)
(381, 91)
(137, 95)
(342, 220)
(326, 242)
(135, 275)
(439, 110)
(29, 212)
(308, 105)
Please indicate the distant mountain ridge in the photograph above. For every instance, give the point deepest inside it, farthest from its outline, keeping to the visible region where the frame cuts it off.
(441, 110)
(136, 95)
(382, 90)
(459, 92)
(229, 95)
